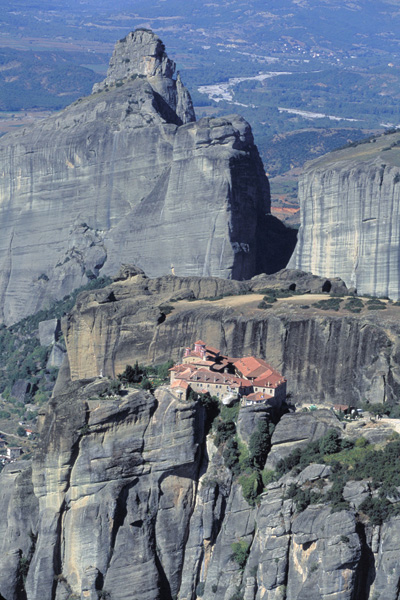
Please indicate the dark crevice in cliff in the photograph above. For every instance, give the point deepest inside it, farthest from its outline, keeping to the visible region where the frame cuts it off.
(327, 286)
(161, 318)
(23, 568)
(121, 510)
(275, 244)
(165, 111)
(200, 569)
(217, 523)
(57, 560)
(287, 562)
(57, 554)
(99, 581)
(163, 585)
(365, 573)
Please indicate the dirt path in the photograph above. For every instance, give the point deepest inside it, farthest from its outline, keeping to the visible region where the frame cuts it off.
(10, 434)
(243, 300)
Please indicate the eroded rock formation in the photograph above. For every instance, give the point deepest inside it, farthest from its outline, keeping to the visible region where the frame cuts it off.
(126, 175)
(127, 499)
(326, 358)
(350, 217)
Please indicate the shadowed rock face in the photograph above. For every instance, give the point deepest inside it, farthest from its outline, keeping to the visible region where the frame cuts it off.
(127, 175)
(126, 498)
(350, 217)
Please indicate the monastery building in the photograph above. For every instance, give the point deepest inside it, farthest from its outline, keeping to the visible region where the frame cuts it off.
(249, 379)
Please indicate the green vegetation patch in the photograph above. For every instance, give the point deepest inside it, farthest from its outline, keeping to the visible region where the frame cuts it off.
(58, 309)
(245, 461)
(22, 358)
(350, 460)
(146, 377)
(240, 553)
(265, 305)
(376, 304)
(330, 304)
(354, 305)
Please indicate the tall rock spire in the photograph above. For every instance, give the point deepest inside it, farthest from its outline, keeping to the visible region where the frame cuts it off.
(142, 54)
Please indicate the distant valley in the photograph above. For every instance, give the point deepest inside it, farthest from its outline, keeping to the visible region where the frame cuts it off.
(342, 60)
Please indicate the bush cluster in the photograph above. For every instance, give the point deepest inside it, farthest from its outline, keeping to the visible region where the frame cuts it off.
(245, 462)
(240, 552)
(147, 377)
(376, 304)
(330, 443)
(330, 304)
(349, 460)
(354, 305)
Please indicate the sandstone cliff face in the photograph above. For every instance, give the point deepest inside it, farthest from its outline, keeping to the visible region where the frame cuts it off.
(126, 499)
(126, 175)
(350, 223)
(324, 357)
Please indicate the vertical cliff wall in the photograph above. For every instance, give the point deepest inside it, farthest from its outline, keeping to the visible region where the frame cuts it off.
(350, 217)
(127, 175)
(127, 499)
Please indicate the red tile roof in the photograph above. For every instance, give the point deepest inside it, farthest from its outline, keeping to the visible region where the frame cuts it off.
(270, 381)
(258, 397)
(341, 407)
(212, 350)
(252, 371)
(249, 365)
(180, 383)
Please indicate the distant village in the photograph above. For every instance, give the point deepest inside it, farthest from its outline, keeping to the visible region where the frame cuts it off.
(9, 453)
(250, 380)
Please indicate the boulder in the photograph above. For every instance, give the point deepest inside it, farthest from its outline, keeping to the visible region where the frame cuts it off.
(296, 430)
(355, 492)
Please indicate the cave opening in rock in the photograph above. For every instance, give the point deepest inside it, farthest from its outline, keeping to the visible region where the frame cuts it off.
(327, 286)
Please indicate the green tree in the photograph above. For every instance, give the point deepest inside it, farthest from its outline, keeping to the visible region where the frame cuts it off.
(240, 552)
(330, 442)
(231, 455)
(132, 374)
(225, 430)
(260, 444)
(21, 431)
(251, 483)
(146, 384)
